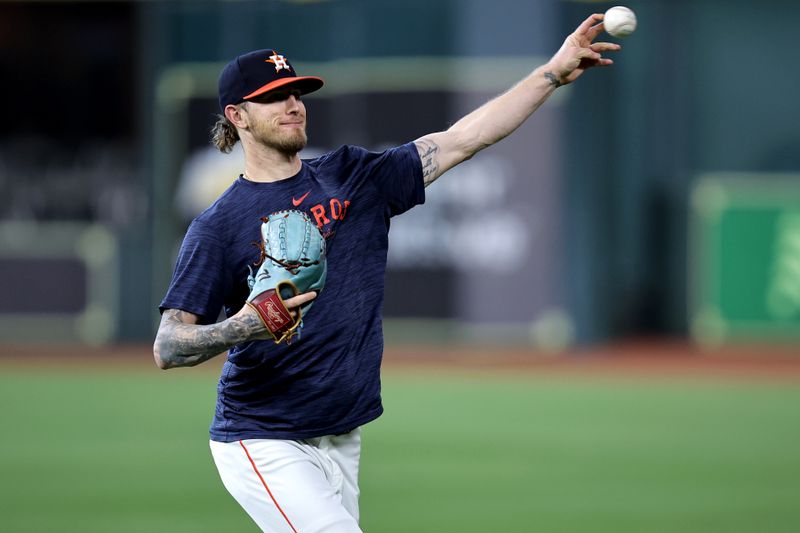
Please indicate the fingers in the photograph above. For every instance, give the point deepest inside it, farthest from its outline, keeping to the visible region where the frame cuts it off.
(300, 299)
(587, 25)
(594, 61)
(588, 53)
(594, 31)
(605, 47)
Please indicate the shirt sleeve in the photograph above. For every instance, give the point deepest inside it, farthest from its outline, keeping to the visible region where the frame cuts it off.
(397, 175)
(198, 283)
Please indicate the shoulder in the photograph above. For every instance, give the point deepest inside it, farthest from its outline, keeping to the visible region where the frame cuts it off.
(340, 156)
(233, 198)
(218, 218)
(348, 154)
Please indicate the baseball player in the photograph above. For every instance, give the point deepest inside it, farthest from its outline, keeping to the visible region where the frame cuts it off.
(285, 435)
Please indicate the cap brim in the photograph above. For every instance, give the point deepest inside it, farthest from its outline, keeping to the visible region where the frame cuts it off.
(306, 84)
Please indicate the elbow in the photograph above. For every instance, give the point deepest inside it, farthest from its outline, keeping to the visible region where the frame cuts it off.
(161, 361)
(470, 141)
(482, 141)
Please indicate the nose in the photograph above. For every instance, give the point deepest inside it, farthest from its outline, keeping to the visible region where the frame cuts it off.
(292, 104)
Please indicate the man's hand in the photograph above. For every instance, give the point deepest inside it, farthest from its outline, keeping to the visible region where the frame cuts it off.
(500, 116)
(258, 331)
(579, 53)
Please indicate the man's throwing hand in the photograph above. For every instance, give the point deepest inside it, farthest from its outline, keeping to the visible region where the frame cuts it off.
(579, 53)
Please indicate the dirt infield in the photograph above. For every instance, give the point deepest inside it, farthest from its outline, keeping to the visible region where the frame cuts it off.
(641, 358)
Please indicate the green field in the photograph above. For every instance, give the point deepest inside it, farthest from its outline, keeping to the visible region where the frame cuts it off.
(126, 451)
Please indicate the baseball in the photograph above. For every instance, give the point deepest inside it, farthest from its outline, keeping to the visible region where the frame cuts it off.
(619, 21)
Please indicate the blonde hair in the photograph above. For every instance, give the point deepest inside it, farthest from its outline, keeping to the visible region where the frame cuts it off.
(224, 135)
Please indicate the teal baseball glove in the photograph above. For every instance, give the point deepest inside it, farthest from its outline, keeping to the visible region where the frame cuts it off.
(292, 262)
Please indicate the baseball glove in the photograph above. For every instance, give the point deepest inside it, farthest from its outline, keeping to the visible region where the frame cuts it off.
(292, 262)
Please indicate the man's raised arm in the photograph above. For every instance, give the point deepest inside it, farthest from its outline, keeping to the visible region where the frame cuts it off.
(499, 117)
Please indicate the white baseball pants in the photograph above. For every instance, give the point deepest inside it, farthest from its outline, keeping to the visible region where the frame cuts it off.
(294, 486)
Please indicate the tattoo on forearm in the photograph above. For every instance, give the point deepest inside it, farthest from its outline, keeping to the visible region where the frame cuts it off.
(179, 343)
(429, 155)
(554, 81)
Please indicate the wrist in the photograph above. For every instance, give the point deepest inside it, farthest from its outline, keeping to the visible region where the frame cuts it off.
(551, 76)
(247, 323)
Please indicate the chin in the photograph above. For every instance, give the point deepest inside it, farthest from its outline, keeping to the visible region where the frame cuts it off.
(288, 142)
(293, 145)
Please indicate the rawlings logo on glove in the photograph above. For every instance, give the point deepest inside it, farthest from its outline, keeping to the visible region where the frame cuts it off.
(292, 262)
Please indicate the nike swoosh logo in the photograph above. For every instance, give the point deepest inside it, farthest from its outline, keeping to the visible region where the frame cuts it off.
(298, 201)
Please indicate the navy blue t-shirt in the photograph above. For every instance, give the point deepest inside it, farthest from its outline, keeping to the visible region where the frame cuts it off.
(328, 381)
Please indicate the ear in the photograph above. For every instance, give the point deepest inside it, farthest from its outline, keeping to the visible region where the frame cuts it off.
(237, 115)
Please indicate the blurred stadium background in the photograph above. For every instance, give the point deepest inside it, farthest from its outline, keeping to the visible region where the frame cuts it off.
(593, 325)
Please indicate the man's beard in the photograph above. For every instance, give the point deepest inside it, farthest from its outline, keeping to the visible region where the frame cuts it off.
(286, 142)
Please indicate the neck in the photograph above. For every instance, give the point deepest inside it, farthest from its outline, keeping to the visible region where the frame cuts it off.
(264, 164)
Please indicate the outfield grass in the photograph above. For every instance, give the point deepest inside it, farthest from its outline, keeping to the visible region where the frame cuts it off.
(121, 451)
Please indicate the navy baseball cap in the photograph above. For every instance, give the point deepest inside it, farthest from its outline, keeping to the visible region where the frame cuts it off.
(257, 72)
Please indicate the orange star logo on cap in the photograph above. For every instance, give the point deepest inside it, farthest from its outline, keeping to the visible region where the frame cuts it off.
(279, 61)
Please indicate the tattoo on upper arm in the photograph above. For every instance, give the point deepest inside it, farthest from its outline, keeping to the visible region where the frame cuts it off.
(554, 81)
(181, 317)
(429, 155)
(182, 342)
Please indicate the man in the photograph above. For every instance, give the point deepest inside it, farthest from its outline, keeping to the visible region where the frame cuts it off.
(286, 432)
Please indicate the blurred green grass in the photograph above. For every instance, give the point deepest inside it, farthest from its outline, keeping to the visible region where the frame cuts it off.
(126, 451)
